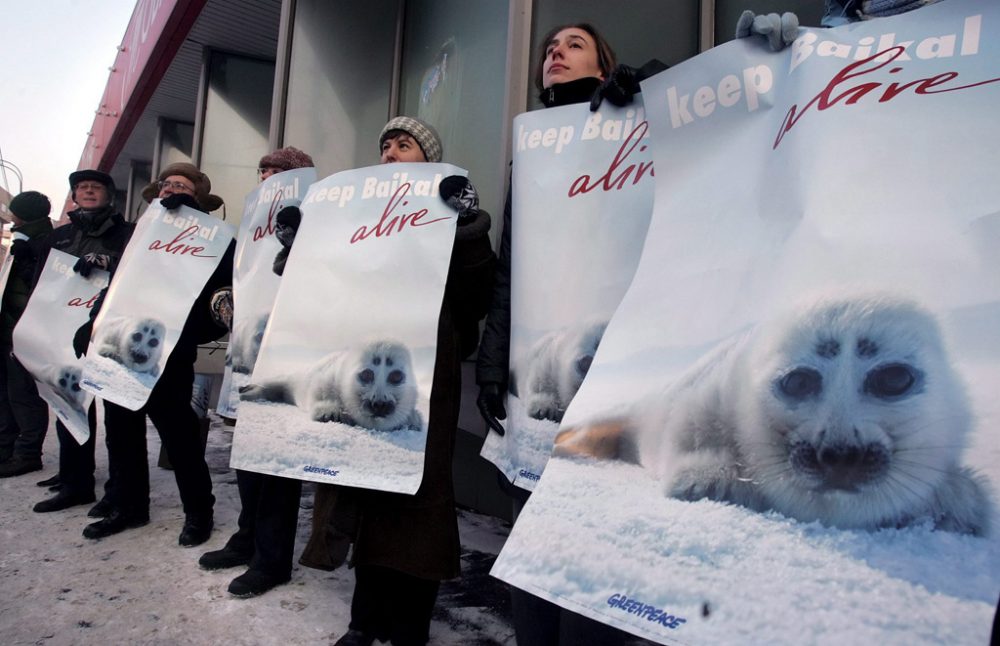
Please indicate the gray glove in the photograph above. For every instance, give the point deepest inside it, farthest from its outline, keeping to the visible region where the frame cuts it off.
(780, 31)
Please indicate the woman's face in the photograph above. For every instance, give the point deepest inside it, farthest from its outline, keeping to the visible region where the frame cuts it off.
(570, 55)
(401, 148)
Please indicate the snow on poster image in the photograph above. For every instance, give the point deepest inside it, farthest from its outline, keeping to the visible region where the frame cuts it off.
(43, 339)
(582, 191)
(254, 282)
(788, 433)
(166, 264)
(340, 391)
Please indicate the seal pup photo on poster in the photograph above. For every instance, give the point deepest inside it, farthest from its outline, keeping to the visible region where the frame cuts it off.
(59, 305)
(789, 433)
(167, 262)
(582, 195)
(254, 282)
(340, 391)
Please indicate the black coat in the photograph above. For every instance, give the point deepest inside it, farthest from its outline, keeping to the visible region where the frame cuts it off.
(21, 279)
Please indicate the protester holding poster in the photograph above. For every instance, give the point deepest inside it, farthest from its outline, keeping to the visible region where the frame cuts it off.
(24, 417)
(542, 332)
(204, 246)
(97, 235)
(792, 418)
(269, 505)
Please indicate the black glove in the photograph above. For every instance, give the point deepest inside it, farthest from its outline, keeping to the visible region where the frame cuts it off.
(490, 403)
(459, 193)
(177, 200)
(622, 84)
(780, 31)
(82, 338)
(22, 249)
(221, 305)
(90, 262)
(287, 223)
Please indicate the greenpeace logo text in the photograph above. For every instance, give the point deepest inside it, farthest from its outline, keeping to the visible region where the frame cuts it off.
(646, 611)
(327, 472)
(524, 473)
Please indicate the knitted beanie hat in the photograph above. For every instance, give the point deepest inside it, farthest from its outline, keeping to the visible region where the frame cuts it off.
(30, 205)
(287, 158)
(424, 134)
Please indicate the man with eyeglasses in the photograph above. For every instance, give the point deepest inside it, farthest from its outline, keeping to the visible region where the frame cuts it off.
(96, 234)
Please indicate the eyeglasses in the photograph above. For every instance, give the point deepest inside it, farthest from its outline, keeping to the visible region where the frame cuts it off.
(177, 186)
(89, 186)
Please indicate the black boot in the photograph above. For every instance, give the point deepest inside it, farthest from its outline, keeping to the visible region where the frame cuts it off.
(19, 465)
(197, 529)
(254, 582)
(64, 500)
(102, 509)
(355, 638)
(115, 523)
(227, 557)
(54, 481)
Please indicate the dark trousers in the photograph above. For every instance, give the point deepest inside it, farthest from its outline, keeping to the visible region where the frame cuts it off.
(169, 408)
(392, 605)
(76, 461)
(269, 516)
(24, 415)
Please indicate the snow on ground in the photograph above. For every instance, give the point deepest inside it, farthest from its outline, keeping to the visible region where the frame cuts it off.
(596, 529)
(140, 587)
(130, 388)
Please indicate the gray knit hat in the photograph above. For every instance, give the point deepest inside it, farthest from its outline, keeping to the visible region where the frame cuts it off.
(425, 135)
(30, 205)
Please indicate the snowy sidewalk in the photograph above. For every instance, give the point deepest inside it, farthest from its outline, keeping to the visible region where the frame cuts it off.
(140, 587)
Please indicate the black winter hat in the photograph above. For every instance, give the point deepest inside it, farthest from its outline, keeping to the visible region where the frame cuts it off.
(78, 176)
(30, 205)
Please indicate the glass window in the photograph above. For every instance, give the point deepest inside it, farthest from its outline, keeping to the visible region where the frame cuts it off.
(339, 80)
(175, 139)
(237, 119)
(453, 77)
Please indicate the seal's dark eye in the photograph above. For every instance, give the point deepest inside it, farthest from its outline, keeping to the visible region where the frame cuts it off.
(76, 388)
(366, 376)
(801, 383)
(153, 342)
(62, 382)
(396, 377)
(137, 336)
(583, 364)
(890, 380)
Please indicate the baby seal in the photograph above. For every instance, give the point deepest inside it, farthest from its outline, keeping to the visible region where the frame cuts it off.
(372, 387)
(556, 366)
(135, 343)
(846, 411)
(245, 344)
(65, 382)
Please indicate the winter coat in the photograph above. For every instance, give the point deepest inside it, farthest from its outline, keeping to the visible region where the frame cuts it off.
(418, 534)
(102, 232)
(20, 280)
(493, 362)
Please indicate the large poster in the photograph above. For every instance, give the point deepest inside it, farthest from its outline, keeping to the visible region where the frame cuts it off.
(166, 264)
(582, 196)
(789, 432)
(341, 388)
(254, 282)
(43, 339)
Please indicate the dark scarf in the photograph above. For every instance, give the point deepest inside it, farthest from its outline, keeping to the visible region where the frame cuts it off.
(578, 91)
